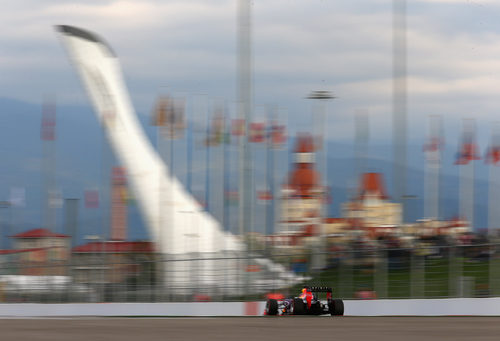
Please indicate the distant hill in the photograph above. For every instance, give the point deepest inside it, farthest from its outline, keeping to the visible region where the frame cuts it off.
(84, 160)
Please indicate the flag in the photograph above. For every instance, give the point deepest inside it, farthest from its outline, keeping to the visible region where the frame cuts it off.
(264, 195)
(159, 118)
(468, 150)
(276, 135)
(48, 126)
(433, 145)
(238, 127)
(217, 133)
(169, 115)
(492, 155)
(91, 199)
(257, 132)
(126, 196)
(17, 197)
(432, 149)
(231, 197)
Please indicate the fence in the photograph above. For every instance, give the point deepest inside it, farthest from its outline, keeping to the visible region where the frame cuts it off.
(429, 271)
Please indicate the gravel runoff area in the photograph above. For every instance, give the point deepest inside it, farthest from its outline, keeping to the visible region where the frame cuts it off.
(252, 328)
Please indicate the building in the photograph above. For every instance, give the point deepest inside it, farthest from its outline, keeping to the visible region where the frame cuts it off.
(114, 263)
(302, 195)
(40, 252)
(371, 207)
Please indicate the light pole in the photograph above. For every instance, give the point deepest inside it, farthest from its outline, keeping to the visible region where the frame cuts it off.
(322, 97)
(5, 205)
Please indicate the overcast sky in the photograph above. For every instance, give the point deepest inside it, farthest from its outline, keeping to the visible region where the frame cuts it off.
(299, 46)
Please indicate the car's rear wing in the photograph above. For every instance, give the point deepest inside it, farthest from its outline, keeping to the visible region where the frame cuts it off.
(321, 289)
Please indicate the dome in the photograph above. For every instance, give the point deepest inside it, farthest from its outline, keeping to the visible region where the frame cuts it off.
(304, 180)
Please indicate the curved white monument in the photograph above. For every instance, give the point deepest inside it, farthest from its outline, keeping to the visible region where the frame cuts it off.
(176, 222)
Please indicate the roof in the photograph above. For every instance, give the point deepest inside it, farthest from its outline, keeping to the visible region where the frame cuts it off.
(83, 34)
(12, 251)
(304, 144)
(372, 184)
(40, 233)
(334, 220)
(116, 247)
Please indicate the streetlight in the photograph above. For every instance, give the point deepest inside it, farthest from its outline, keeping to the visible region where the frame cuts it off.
(322, 96)
(6, 205)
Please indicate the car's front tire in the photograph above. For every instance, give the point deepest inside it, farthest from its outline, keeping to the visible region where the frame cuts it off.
(272, 307)
(299, 308)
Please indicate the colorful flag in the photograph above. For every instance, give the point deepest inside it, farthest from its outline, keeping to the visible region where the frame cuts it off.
(217, 133)
(276, 135)
(238, 127)
(257, 132)
(159, 117)
(169, 115)
(91, 199)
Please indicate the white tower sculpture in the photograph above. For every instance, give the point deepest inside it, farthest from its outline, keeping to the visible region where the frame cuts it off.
(176, 222)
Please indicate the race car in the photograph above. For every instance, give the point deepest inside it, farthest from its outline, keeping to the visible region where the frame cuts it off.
(307, 303)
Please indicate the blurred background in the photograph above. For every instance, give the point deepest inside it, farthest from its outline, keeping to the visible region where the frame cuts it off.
(348, 144)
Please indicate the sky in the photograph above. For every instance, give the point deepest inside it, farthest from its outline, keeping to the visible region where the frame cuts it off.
(189, 47)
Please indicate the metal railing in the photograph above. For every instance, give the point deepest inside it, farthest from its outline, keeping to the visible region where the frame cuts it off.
(430, 271)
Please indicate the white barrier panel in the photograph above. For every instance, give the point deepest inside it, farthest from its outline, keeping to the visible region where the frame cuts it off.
(404, 307)
(124, 309)
(424, 307)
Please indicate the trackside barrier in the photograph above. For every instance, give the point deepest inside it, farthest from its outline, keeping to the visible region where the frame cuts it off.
(424, 307)
(407, 307)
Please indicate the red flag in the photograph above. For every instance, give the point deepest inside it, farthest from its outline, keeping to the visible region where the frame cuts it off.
(433, 145)
(492, 155)
(91, 199)
(264, 195)
(468, 150)
(257, 132)
(277, 134)
(467, 153)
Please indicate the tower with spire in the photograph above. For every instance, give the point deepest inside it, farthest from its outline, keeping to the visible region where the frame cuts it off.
(302, 194)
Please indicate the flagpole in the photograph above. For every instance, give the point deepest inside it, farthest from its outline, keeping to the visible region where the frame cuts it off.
(207, 163)
(189, 154)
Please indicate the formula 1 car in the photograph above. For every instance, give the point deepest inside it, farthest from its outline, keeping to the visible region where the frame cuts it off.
(307, 303)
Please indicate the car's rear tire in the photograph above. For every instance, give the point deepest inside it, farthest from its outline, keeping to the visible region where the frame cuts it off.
(336, 307)
(316, 308)
(272, 307)
(299, 307)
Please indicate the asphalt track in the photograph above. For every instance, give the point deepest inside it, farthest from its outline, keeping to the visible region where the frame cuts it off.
(253, 328)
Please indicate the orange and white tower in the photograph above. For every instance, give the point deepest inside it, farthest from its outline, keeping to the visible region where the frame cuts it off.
(302, 195)
(119, 205)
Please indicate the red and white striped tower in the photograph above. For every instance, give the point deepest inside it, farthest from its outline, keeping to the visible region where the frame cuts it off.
(119, 205)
